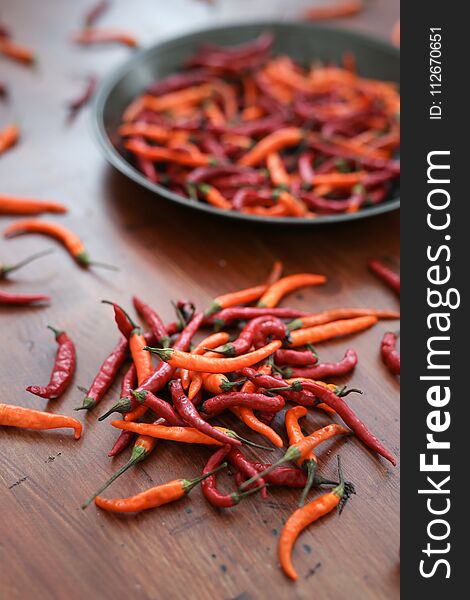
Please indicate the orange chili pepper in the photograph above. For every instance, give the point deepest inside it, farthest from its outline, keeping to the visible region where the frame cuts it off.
(288, 284)
(249, 418)
(340, 313)
(216, 383)
(143, 365)
(13, 205)
(189, 435)
(320, 333)
(155, 496)
(250, 93)
(339, 180)
(251, 113)
(348, 8)
(16, 52)
(235, 298)
(214, 114)
(277, 172)
(192, 95)
(227, 96)
(278, 210)
(293, 206)
(205, 364)
(95, 35)
(214, 197)
(211, 341)
(159, 154)
(242, 141)
(308, 514)
(68, 238)
(8, 137)
(282, 138)
(26, 418)
(156, 133)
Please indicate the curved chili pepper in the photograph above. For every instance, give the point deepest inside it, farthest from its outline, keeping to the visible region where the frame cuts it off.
(26, 418)
(155, 496)
(22, 299)
(270, 382)
(95, 35)
(105, 376)
(308, 514)
(153, 321)
(188, 435)
(320, 333)
(272, 329)
(122, 442)
(209, 485)
(388, 276)
(63, 371)
(295, 357)
(75, 106)
(235, 298)
(389, 352)
(280, 476)
(288, 284)
(16, 52)
(191, 416)
(10, 134)
(238, 459)
(324, 370)
(69, 239)
(217, 404)
(7, 269)
(211, 341)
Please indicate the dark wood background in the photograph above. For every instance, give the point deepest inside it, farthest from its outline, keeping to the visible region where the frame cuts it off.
(49, 548)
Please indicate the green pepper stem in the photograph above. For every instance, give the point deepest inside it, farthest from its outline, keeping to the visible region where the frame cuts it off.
(292, 453)
(311, 471)
(213, 308)
(5, 270)
(55, 331)
(138, 454)
(123, 405)
(189, 484)
(235, 435)
(163, 353)
(128, 317)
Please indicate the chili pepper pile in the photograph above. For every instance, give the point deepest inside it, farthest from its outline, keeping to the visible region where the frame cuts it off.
(245, 130)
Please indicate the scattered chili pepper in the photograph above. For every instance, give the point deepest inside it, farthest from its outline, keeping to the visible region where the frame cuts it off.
(153, 321)
(298, 358)
(5, 270)
(13, 205)
(246, 338)
(69, 239)
(75, 106)
(26, 418)
(340, 313)
(245, 313)
(388, 276)
(189, 435)
(155, 496)
(95, 12)
(9, 135)
(307, 515)
(96, 35)
(280, 476)
(22, 299)
(212, 341)
(389, 352)
(286, 285)
(218, 404)
(235, 298)
(63, 371)
(16, 52)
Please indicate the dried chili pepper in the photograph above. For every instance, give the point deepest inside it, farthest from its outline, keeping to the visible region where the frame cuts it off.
(320, 333)
(101, 35)
(155, 496)
(308, 514)
(280, 476)
(26, 418)
(63, 371)
(95, 12)
(244, 296)
(245, 313)
(189, 435)
(153, 321)
(176, 358)
(7, 269)
(105, 376)
(389, 352)
(22, 299)
(16, 52)
(388, 276)
(340, 313)
(13, 205)
(68, 238)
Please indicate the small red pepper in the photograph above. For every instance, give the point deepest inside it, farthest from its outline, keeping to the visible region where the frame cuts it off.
(324, 370)
(388, 276)
(217, 404)
(63, 371)
(22, 299)
(389, 352)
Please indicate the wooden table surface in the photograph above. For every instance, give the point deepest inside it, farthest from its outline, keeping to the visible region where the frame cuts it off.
(49, 547)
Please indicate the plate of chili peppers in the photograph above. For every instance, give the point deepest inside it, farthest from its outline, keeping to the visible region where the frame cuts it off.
(288, 123)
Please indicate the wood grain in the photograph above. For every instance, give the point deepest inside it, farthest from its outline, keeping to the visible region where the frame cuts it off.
(49, 548)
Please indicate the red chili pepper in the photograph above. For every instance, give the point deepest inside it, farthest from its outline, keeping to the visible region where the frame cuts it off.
(209, 485)
(246, 338)
(123, 441)
(153, 321)
(390, 354)
(280, 476)
(239, 460)
(159, 407)
(22, 299)
(269, 381)
(63, 371)
(372, 163)
(388, 276)
(324, 370)
(217, 404)
(75, 106)
(190, 415)
(105, 376)
(299, 358)
(245, 313)
(96, 12)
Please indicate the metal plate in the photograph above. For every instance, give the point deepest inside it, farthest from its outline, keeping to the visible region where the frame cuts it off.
(304, 42)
